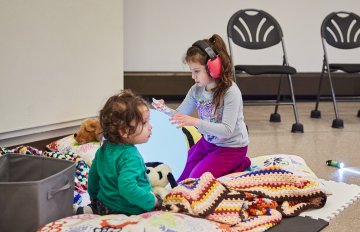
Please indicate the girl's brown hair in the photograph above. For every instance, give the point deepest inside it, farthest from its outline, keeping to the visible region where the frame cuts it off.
(223, 83)
(119, 112)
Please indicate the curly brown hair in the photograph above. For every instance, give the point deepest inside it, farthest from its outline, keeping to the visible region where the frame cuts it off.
(223, 83)
(119, 112)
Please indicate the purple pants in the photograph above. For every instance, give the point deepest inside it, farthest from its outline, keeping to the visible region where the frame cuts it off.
(207, 157)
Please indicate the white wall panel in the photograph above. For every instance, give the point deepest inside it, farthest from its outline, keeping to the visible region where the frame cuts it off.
(59, 62)
(158, 32)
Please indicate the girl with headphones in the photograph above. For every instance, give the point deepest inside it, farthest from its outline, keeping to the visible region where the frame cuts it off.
(218, 101)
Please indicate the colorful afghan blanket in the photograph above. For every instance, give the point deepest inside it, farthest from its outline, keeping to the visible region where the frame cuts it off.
(247, 201)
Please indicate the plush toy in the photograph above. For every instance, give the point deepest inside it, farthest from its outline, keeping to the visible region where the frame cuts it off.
(90, 130)
(160, 176)
(191, 134)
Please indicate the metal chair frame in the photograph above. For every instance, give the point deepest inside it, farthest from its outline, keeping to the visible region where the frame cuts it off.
(259, 31)
(342, 33)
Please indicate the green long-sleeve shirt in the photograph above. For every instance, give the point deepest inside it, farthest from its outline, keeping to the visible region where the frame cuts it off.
(118, 179)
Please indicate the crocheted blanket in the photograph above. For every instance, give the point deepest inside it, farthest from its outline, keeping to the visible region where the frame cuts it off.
(246, 201)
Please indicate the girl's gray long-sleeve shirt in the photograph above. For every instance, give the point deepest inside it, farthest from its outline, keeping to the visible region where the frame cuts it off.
(226, 126)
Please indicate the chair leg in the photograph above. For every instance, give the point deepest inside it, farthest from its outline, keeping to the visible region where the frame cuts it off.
(358, 114)
(317, 113)
(297, 127)
(337, 122)
(276, 117)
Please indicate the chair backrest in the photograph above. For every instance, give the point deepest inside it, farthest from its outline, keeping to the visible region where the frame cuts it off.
(254, 29)
(341, 30)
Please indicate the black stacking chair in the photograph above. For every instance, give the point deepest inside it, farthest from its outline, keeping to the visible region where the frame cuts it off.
(340, 30)
(256, 29)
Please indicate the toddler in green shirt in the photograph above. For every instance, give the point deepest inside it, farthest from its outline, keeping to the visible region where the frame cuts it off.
(117, 182)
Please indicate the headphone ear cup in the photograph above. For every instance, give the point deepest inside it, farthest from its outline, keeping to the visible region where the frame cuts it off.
(214, 67)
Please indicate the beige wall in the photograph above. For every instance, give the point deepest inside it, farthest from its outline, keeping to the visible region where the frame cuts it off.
(59, 61)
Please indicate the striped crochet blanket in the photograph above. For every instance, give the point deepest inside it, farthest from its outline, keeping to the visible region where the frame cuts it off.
(246, 201)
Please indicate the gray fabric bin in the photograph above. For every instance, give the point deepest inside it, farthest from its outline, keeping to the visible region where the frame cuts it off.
(34, 191)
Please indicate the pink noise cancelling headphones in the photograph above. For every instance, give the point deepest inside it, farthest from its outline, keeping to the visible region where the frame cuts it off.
(214, 63)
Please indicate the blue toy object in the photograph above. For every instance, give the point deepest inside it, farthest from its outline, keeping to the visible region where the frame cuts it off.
(167, 144)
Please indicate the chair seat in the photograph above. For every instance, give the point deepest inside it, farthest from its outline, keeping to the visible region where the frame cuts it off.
(348, 68)
(265, 69)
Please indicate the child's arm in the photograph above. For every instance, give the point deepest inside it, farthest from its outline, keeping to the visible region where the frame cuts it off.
(160, 106)
(182, 120)
(134, 185)
(188, 105)
(93, 179)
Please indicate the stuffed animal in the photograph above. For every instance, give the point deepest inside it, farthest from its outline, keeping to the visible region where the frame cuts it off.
(90, 130)
(160, 176)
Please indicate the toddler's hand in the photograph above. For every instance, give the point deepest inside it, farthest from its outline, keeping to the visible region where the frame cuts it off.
(156, 200)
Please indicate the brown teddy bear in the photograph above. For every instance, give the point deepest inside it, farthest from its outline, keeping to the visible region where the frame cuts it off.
(90, 130)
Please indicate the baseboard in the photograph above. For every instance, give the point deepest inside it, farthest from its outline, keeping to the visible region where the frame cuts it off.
(28, 135)
(173, 85)
(38, 141)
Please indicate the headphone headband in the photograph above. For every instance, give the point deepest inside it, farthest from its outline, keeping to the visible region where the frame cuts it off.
(204, 46)
(213, 63)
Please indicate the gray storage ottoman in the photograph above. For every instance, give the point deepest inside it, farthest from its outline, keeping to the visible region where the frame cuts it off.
(34, 191)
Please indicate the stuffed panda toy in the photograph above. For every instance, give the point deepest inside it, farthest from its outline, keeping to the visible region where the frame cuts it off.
(160, 176)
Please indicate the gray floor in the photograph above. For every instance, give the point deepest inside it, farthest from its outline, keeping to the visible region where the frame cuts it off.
(318, 143)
